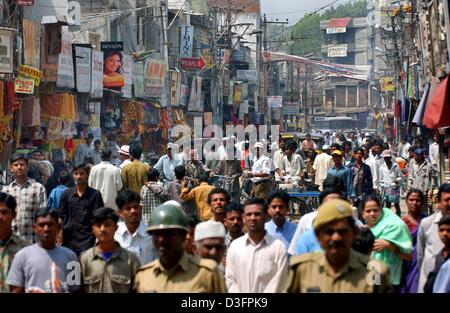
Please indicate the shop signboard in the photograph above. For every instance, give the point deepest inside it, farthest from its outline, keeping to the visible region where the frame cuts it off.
(83, 67)
(24, 85)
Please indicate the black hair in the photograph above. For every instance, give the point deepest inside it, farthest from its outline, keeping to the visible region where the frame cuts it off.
(375, 142)
(308, 135)
(333, 182)
(88, 160)
(280, 194)
(363, 243)
(348, 143)
(203, 177)
(233, 206)
(413, 190)
(445, 220)
(9, 201)
(106, 154)
(45, 211)
(329, 191)
(360, 149)
(291, 145)
(127, 196)
(64, 178)
(180, 171)
(444, 188)
(82, 165)
(367, 198)
(102, 214)
(256, 201)
(97, 142)
(136, 151)
(153, 175)
(219, 190)
(18, 156)
(193, 220)
(336, 145)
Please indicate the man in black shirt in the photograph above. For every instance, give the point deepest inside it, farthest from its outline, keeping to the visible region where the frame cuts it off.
(76, 208)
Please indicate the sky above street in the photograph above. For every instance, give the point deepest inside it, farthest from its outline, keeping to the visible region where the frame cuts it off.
(292, 9)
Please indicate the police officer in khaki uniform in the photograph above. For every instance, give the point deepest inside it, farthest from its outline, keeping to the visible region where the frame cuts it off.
(338, 268)
(175, 271)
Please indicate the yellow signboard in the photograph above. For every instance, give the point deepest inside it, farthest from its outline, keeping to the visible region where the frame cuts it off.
(387, 84)
(30, 72)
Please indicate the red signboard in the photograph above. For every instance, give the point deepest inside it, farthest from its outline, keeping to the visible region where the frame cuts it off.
(192, 63)
(25, 2)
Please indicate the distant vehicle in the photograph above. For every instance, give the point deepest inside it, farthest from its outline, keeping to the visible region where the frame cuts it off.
(299, 137)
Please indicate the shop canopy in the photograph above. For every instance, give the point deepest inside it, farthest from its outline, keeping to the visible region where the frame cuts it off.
(437, 111)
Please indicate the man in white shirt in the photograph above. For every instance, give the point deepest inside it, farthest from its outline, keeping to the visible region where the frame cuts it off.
(278, 157)
(322, 163)
(262, 166)
(429, 245)
(167, 163)
(106, 178)
(434, 152)
(403, 148)
(373, 166)
(292, 165)
(132, 233)
(256, 262)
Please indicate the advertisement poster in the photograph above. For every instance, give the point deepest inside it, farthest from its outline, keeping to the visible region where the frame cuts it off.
(31, 43)
(83, 59)
(97, 74)
(187, 41)
(127, 89)
(138, 79)
(195, 101)
(155, 74)
(175, 88)
(51, 48)
(275, 101)
(65, 63)
(24, 85)
(113, 73)
(6, 50)
(30, 72)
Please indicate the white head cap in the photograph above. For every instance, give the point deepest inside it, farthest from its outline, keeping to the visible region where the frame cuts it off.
(259, 145)
(209, 229)
(173, 202)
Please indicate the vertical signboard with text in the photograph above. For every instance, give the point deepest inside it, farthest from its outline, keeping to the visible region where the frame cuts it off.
(187, 41)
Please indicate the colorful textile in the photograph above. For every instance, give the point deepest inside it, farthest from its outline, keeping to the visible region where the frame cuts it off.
(391, 228)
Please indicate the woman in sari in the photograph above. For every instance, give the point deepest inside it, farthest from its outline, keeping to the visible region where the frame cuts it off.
(410, 275)
(393, 242)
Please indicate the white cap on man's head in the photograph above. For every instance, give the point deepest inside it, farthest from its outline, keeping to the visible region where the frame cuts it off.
(259, 145)
(209, 229)
(125, 150)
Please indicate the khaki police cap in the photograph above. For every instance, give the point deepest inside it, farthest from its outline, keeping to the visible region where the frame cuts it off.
(331, 211)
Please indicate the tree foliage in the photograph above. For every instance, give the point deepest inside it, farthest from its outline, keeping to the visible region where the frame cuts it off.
(307, 35)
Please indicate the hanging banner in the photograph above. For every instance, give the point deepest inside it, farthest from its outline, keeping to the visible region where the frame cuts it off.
(138, 79)
(83, 66)
(187, 41)
(250, 75)
(24, 85)
(275, 101)
(97, 74)
(113, 76)
(31, 43)
(127, 89)
(65, 63)
(6, 50)
(155, 75)
(360, 72)
(387, 84)
(51, 48)
(30, 72)
(195, 101)
(175, 88)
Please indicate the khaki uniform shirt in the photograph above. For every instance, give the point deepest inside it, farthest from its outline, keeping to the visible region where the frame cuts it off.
(312, 273)
(191, 274)
(113, 276)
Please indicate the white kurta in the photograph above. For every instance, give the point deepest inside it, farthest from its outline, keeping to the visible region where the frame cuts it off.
(260, 268)
(106, 178)
(322, 164)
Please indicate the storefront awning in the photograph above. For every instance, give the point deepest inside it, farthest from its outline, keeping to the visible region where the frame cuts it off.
(437, 112)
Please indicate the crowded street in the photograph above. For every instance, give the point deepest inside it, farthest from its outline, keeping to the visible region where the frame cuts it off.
(224, 147)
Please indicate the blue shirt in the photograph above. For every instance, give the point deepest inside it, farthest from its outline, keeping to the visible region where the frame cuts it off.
(344, 174)
(307, 243)
(284, 233)
(55, 196)
(442, 282)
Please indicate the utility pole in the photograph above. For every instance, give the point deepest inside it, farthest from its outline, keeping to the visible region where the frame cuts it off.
(165, 50)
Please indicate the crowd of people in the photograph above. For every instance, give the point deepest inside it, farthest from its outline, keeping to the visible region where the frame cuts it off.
(114, 223)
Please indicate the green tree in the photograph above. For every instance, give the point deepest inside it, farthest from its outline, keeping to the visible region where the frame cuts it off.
(307, 35)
